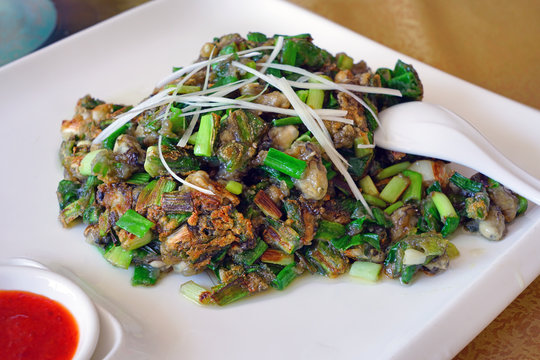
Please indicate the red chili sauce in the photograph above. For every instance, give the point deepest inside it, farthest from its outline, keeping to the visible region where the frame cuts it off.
(35, 327)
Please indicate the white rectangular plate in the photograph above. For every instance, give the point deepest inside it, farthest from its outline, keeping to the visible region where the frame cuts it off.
(119, 61)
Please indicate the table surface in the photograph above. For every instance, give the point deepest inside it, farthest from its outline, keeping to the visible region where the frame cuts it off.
(491, 43)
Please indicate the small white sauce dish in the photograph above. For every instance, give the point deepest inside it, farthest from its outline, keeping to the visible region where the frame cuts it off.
(28, 275)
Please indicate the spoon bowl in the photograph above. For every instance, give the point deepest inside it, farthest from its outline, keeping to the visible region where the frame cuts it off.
(431, 130)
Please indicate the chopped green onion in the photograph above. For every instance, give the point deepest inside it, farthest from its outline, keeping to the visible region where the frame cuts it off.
(289, 51)
(380, 218)
(224, 294)
(185, 89)
(443, 204)
(393, 170)
(302, 94)
(436, 186)
(229, 49)
(278, 176)
(91, 215)
(447, 212)
(278, 257)
(234, 187)
(248, 257)
(368, 186)
(395, 187)
(142, 178)
(281, 236)
(315, 98)
(178, 122)
(67, 192)
(292, 120)
(344, 62)
(366, 270)
(329, 230)
(413, 257)
(330, 173)
(252, 64)
(332, 102)
(130, 241)
(430, 220)
(193, 291)
(134, 223)
(304, 137)
(108, 143)
(374, 201)
(346, 242)
(153, 192)
(118, 256)
(466, 183)
(256, 37)
(193, 138)
(414, 191)
(285, 277)
(326, 259)
(357, 225)
(522, 205)
(359, 149)
(408, 273)
(206, 135)
(95, 163)
(285, 163)
(145, 275)
(390, 209)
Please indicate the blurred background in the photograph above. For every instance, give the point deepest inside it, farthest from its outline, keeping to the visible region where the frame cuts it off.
(492, 43)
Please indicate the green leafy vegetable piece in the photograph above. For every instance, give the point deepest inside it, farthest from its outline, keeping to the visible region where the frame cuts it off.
(285, 277)
(145, 275)
(466, 183)
(134, 223)
(285, 163)
(67, 192)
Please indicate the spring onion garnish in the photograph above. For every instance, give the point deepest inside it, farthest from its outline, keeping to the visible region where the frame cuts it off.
(178, 178)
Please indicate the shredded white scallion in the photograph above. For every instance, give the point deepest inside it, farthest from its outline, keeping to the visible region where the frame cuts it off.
(365, 146)
(278, 45)
(177, 74)
(351, 87)
(324, 141)
(214, 99)
(186, 135)
(176, 177)
(129, 115)
(323, 80)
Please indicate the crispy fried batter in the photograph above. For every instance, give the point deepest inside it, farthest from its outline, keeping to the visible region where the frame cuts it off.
(116, 197)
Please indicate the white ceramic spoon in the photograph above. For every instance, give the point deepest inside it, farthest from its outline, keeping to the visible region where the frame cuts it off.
(425, 129)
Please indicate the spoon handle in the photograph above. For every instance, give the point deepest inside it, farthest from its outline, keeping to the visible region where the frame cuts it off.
(431, 130)
(495, 164)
